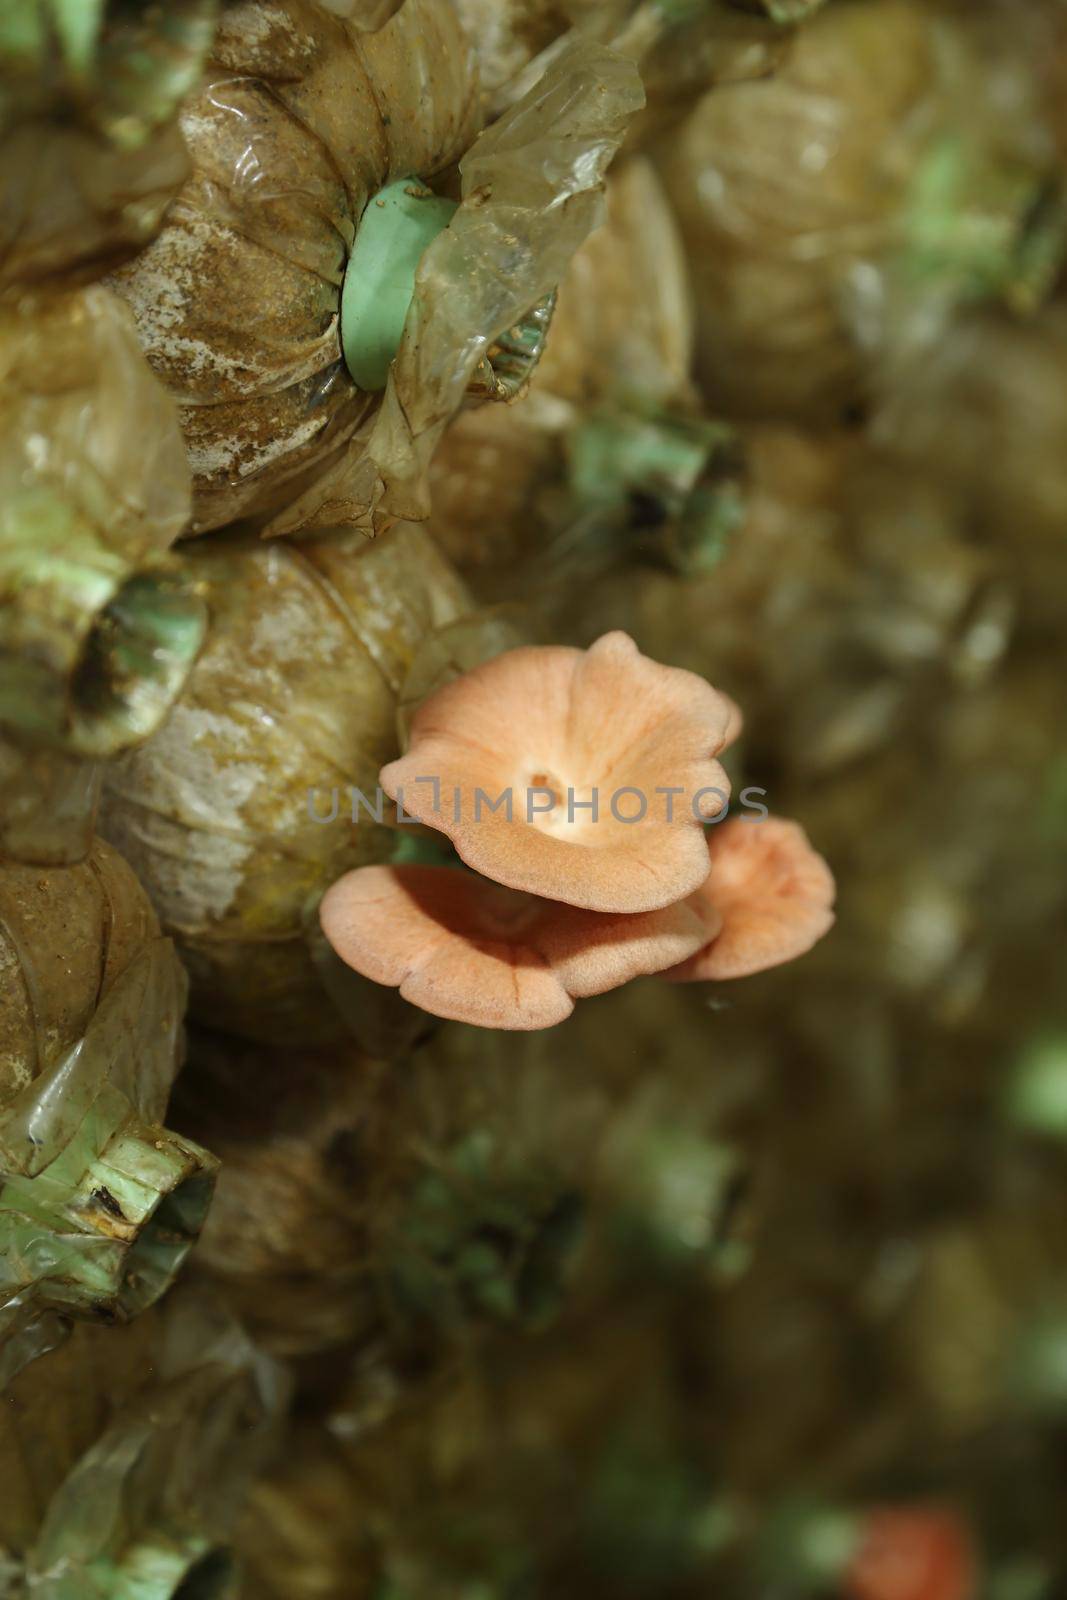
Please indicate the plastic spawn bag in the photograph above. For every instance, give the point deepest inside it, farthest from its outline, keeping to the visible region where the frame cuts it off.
(532, 189)
(97, 632)
(403, 1211)
(302, 122)
(99, 1203)
(242, 809)
(90, 152)
(126, 1454)
(853, 200)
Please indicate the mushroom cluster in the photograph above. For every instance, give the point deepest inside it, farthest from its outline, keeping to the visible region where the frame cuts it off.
(582, 789)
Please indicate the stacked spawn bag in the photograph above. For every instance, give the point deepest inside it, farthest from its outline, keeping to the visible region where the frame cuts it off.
(126, 1455)
(92, 150)
(98, 631)
(571, 1351)
(99, 1202)
(307, 1152)
(612, 386)
(124, 1447)
(300, 120)
(241, 811)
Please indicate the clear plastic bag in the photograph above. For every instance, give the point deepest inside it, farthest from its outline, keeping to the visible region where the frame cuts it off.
(238, 814)
(532, 192)
(99, 1203)
(97, 631)
(301, 119)
(238, 300)
(126, 1455)
(854, 200)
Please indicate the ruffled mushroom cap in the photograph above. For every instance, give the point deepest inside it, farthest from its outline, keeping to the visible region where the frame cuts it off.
(471, 951)
(558, 730)
(767, 900)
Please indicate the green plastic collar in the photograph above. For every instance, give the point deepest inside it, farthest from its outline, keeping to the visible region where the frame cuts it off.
(399, 223)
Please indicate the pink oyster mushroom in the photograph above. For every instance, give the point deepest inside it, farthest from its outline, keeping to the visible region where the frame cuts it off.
(468, 950)
(551, 725)
(767, 899)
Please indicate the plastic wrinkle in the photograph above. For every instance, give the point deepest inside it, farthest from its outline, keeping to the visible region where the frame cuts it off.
(294, 694)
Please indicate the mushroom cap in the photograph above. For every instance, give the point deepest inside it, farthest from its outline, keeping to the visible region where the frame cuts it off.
(735, 725)
(913, 1552)
(604, 723)
(467, 949)
(767, 899)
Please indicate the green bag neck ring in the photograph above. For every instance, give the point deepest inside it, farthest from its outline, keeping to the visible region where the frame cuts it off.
(396, 229)
(400, 222)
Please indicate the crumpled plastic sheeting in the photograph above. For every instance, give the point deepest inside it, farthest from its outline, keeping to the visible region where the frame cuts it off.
(98, 1202)
(127, 1454)
(532, 188)
(623, 327)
